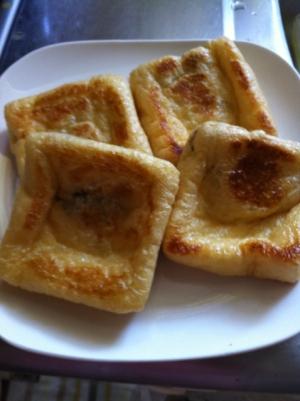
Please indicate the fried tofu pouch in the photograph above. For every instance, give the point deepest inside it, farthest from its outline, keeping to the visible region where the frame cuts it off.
(87, 222)
(237, 210)
(173, 95)
(101, 109)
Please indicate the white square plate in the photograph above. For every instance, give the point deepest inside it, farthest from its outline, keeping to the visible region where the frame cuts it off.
(189, 314)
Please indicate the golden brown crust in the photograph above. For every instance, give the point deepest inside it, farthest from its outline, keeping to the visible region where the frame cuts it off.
(174, 95)
(238, 204)
(254, 113)
(100, 109)
(87, 222)
(256, 176)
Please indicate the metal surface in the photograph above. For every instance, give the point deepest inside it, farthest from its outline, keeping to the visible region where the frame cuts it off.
(43, 22)
(8, 10)
(289, 10)
(260, 22)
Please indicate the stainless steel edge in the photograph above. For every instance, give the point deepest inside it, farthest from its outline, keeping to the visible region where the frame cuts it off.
(8, 10)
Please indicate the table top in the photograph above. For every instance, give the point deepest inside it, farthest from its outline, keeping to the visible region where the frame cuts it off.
(38, 23)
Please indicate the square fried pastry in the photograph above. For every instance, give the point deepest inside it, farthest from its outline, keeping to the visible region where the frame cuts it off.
(237, 210)
(87, 222)
(173, 95)
(101, 109)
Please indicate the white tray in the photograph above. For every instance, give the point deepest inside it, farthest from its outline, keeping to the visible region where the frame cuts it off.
(190, 314)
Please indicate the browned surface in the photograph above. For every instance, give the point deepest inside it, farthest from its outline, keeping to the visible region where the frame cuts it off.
(88, 281)
(167, 66)
(195, 90)
(178, 246)
(288, 254)
(256, 175)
